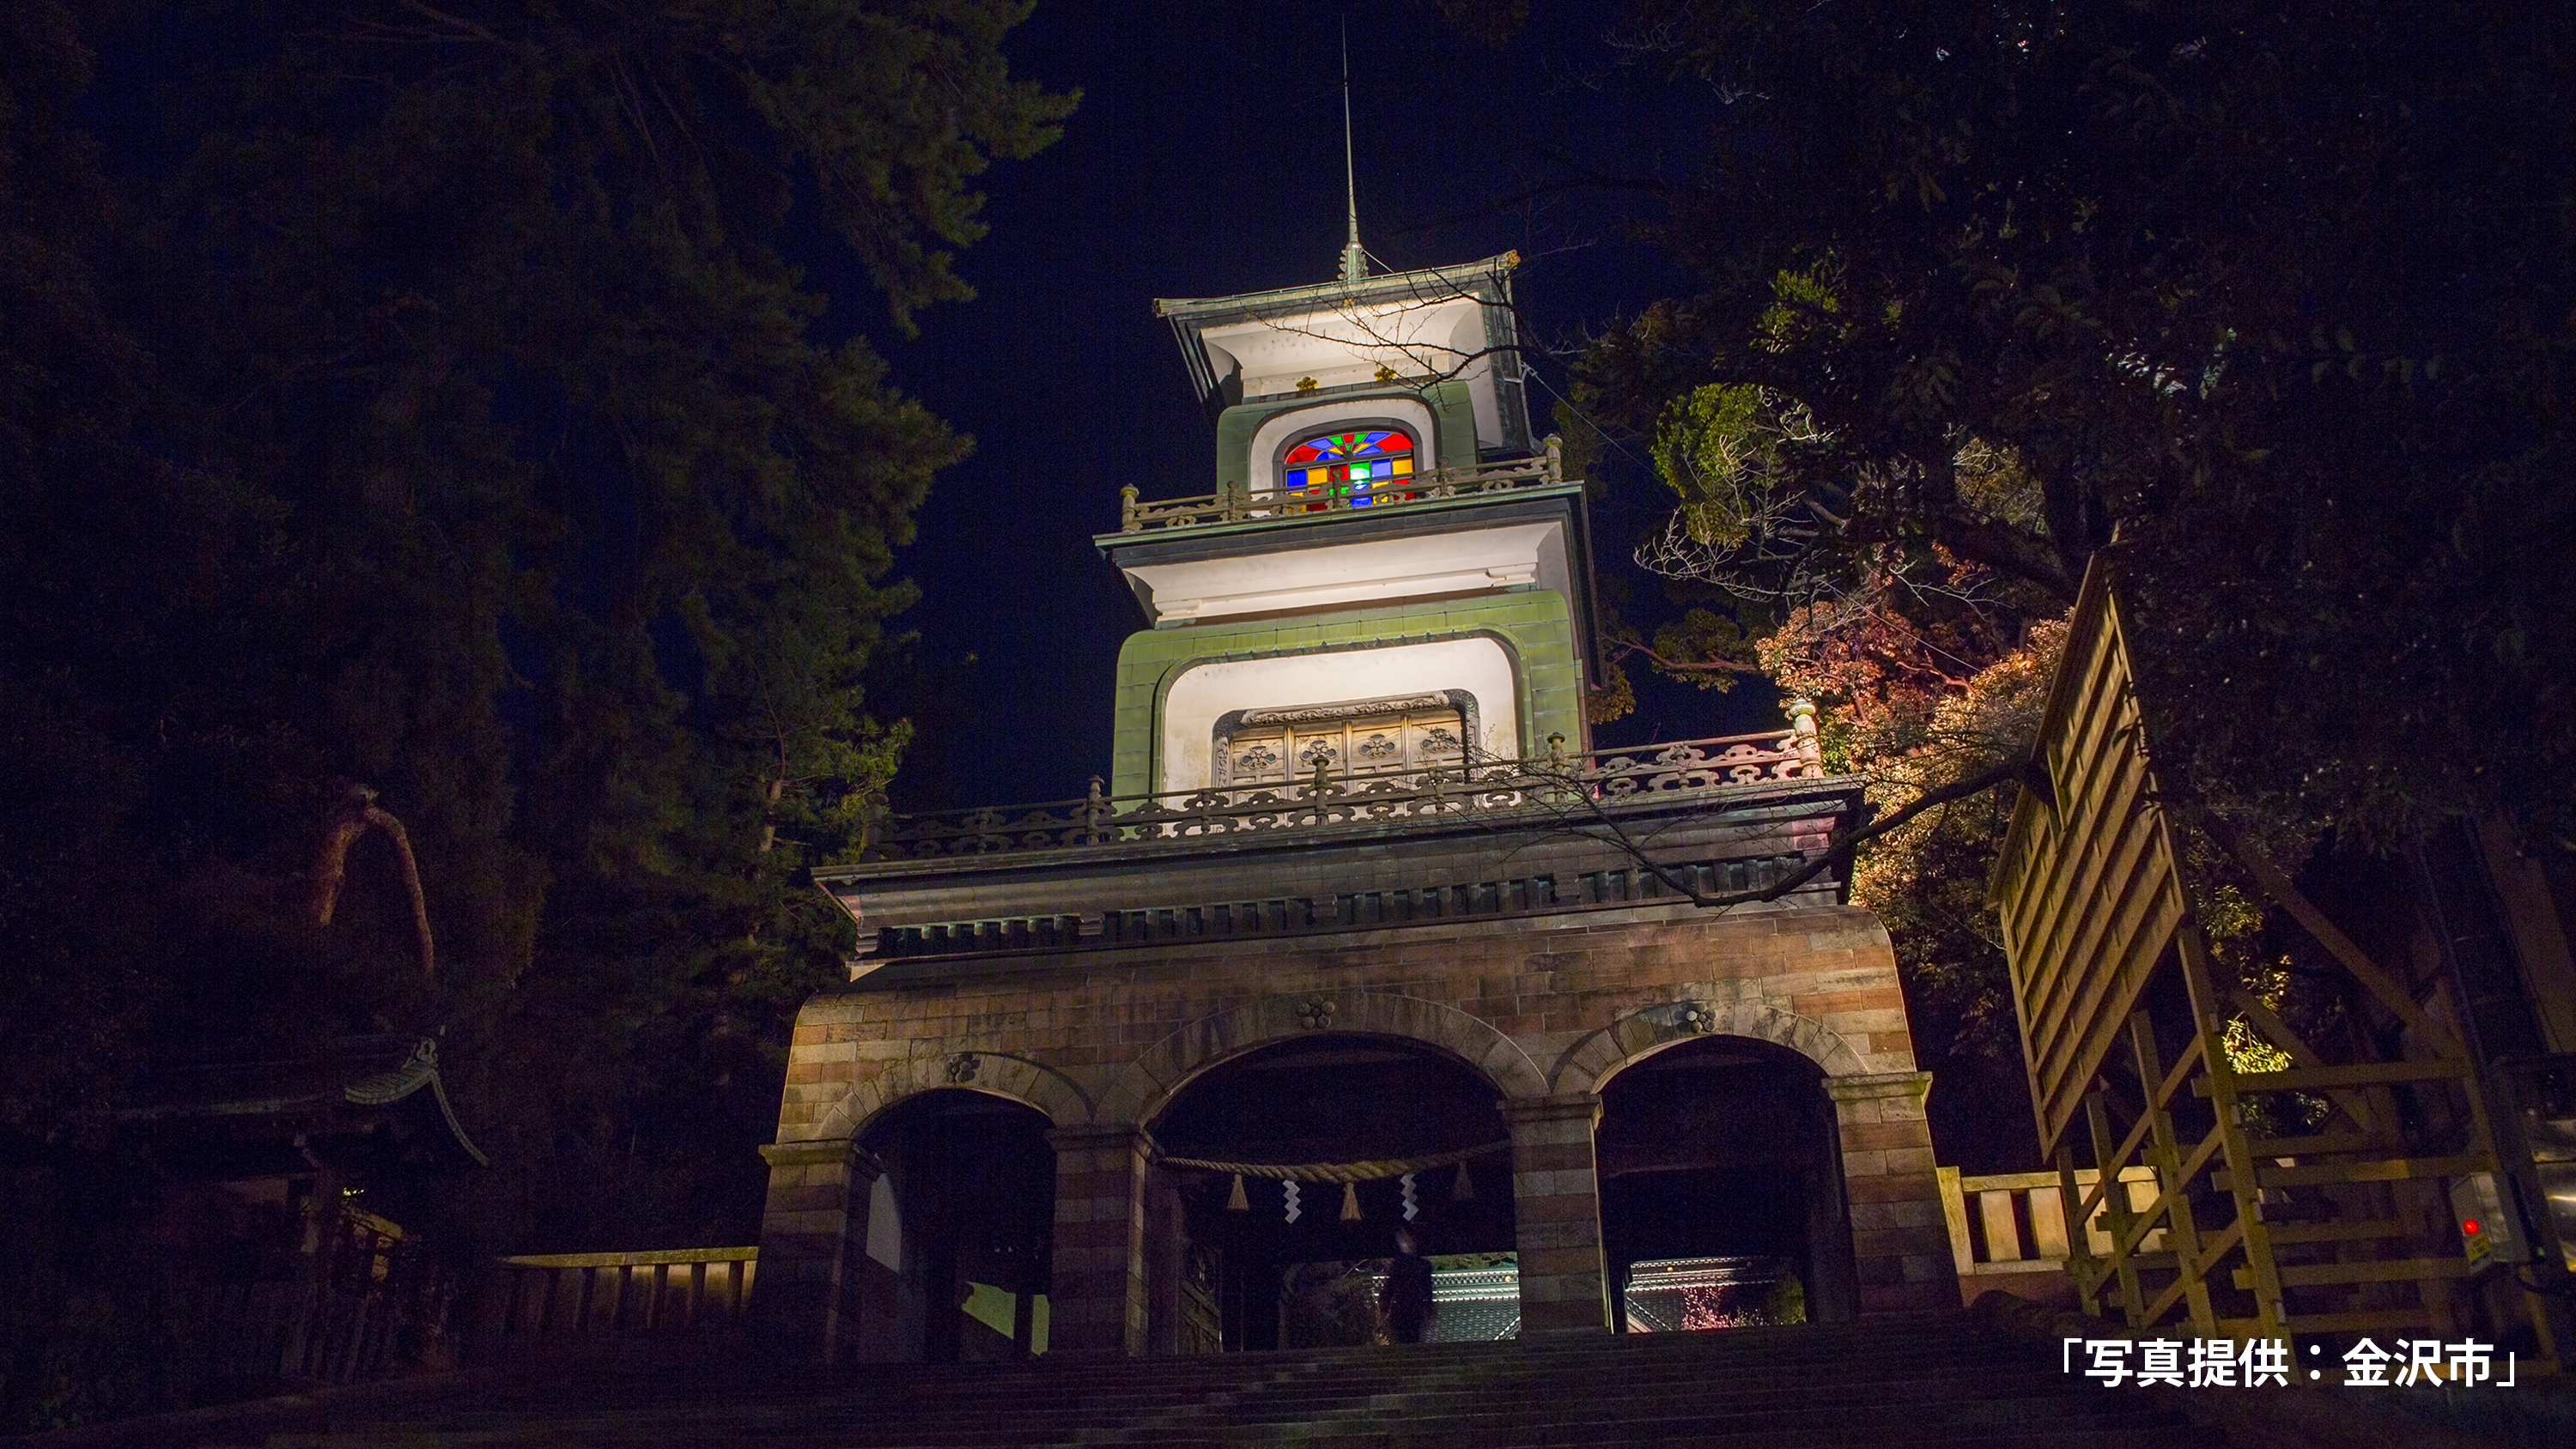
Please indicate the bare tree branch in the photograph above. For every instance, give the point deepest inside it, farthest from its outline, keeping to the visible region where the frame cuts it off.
(1730, 666)
(455, 22)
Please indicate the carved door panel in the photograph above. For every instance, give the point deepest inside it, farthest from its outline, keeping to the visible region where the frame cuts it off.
(1352, 742)
(1259, 759)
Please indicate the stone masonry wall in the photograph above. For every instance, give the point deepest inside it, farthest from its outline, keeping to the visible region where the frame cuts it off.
(1548, 1007)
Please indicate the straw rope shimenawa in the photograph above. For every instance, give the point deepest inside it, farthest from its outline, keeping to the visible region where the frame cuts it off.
(1339, 1171)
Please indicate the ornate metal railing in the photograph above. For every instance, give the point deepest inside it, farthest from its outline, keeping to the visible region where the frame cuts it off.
(1556, 782)
(1239, 505)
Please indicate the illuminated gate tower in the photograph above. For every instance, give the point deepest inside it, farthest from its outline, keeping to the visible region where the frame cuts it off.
(1357, 908)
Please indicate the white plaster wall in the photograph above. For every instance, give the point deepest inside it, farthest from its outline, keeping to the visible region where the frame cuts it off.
(1376, 572)
(1267, 440)
(1479, 666)
(1467, 339)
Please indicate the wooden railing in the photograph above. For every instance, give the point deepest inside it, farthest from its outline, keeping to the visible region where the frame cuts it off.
(1556, 782)
(1438, 485)
(673, 1291)
(2018, 1220)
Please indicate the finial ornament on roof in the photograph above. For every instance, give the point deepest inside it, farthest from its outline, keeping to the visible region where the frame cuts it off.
(1354, 260)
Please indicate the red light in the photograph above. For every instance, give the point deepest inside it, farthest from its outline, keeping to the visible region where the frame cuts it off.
(2469, 1226)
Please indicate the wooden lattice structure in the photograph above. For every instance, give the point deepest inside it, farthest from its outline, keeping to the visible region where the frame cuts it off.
(2323, 1232)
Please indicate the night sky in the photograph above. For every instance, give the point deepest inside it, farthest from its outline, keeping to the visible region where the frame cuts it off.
(1205, 160)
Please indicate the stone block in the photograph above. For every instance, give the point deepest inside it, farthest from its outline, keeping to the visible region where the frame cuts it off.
(1575, 1183)
(1861, 1023)
(816, 1198)
(1582, 1207)
(1865, 1163)
(815, 1222)
(1905, 1188)
(1867, 1136)
(1555, 1156)
(1846, 998)
(1859, 1114)
(1910, 1159)
(1582, 1260)
(1574, 1230)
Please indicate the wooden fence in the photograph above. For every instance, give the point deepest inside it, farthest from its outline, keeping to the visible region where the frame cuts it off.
(668, 1292)
(2015, 1222)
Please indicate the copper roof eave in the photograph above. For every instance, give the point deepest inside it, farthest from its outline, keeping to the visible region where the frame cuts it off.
(1394, 284)
(392, 1082)
(1188, 315)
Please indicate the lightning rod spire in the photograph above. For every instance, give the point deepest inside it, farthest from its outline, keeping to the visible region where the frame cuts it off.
(1354, 260)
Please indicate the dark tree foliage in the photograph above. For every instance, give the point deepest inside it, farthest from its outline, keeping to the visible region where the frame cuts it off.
(2275, 305)
(2276, 301)
(428, 396)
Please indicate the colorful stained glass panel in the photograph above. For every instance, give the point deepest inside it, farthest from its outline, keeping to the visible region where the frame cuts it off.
(1347, 465)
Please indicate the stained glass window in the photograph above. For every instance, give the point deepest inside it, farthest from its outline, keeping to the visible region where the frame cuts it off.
(1355, 467)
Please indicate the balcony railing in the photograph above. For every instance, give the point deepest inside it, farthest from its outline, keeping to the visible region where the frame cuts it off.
(1546, 470)
(1557, 782)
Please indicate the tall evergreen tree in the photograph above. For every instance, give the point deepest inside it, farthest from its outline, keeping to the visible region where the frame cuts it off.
(434, 397)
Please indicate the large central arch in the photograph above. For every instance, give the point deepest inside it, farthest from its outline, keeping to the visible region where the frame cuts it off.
(1143, 1086)
(1242, 1258)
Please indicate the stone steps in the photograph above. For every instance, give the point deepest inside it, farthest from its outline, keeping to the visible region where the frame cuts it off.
(1928, 1380)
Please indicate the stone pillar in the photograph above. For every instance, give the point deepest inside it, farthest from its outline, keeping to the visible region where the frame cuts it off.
(1096, 1304)
(1900, 1248)
(1166, 1261)
(1556, 1214)
(804, 1237)
(845, 1311)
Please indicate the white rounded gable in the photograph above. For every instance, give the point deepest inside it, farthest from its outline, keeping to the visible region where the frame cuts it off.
(1480, 666)
(1278, 432)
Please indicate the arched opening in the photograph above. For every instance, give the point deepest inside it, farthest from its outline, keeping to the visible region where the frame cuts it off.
(1278, 1268)
(955, 1260)
(1722, 1190)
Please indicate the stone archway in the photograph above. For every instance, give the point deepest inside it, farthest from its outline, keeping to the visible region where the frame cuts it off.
(1886, 1146)
(1146, 1083)
(945, 1254)
(992, 1073)
(1593, 1061)
(1240, 1262)
(814, 1228)
(1720, 1152)
(1103, 1166)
